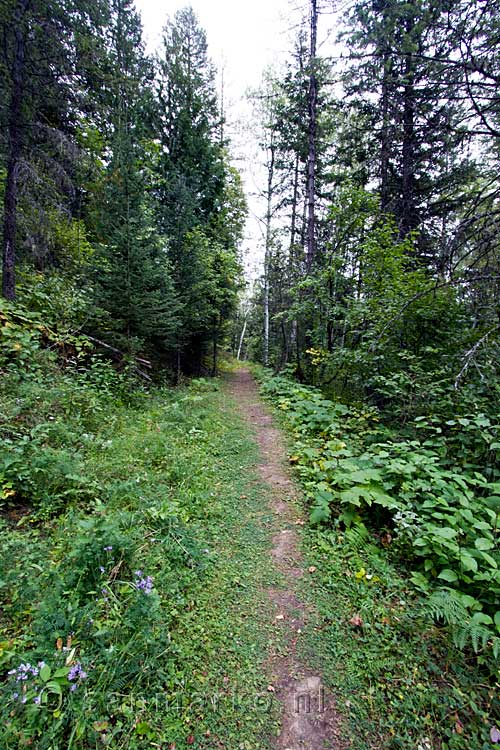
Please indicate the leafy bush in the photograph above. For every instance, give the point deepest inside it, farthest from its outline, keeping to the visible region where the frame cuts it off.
(438, 512)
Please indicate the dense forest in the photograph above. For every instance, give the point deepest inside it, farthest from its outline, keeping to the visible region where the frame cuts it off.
(133, 546)
(381, 275)
(120, 202)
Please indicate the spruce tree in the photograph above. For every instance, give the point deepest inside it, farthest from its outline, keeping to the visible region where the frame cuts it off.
(191, 190)
(134, 285)
(48, 60)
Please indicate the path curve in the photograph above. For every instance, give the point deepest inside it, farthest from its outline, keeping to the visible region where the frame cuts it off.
(309, 719)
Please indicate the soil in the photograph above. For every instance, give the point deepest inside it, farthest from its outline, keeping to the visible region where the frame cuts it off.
(309, 718)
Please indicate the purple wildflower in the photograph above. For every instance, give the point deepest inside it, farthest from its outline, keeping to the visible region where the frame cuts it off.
(23, 672)
(102, 569)
(37, 699)
(77, 673)
(108, 548)
(143, 583)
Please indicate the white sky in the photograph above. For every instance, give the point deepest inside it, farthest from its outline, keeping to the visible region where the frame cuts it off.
(244, 37)
(245, 34)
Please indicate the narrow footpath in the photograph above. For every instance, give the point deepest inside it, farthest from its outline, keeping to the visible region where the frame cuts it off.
(309, 719)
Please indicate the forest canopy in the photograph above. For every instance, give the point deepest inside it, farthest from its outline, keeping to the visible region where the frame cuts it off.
(117, 184)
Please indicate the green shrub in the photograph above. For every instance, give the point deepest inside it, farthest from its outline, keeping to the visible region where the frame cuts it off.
(426, 498)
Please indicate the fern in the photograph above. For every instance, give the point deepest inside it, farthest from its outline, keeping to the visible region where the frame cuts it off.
(446, 605)
(357, 537)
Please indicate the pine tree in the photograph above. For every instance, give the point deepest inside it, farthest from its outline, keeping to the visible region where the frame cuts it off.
(48, 51)
(418, 149)
(134, 284)
(192, 188)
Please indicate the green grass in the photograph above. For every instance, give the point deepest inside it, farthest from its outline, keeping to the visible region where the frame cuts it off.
(167, 480)
(170, 488)
(398, 679)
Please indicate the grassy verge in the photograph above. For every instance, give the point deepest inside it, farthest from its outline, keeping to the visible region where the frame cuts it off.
(134, 559)
(382, 645)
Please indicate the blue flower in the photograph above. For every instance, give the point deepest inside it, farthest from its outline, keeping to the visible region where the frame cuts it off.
(143, 583)
(23, 672)
(76, 674)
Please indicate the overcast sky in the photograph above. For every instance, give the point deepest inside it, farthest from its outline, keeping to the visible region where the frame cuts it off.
(244, 37)
(246, 34)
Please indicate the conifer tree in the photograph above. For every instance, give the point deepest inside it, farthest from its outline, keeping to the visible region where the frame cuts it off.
(134, 284)
(48, 60)
(191, 190)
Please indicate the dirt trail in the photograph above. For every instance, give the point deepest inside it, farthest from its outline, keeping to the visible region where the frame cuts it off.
(309, 720)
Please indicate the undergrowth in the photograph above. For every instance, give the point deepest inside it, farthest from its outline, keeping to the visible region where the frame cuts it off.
(127, 615)
(403, 541)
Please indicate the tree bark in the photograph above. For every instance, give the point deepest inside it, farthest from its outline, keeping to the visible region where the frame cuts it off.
(267, 258)
(385, 148)
(311, 161)
(244, 329)
(14, 152)
(408, 219)
(214, 348)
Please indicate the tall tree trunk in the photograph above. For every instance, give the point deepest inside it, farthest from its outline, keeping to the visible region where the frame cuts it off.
(385, 147)
(267, 258)
(295, 199)
(243, 331)
(14, 152)
(408, 218)
(265, 347)
(311, 161)
(214, 347)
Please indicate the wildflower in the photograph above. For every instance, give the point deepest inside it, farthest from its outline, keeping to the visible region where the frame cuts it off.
(143, 583)
(102, 569)
(23, 672)
(108, 548)
(76, 673)
(37, 699)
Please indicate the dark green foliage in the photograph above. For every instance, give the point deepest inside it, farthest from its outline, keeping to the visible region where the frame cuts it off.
(134, 286)
(428, 494)
(49, 56)
(199, 201)
(107, 181)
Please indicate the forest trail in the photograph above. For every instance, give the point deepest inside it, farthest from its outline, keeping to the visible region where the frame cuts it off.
(309, 719)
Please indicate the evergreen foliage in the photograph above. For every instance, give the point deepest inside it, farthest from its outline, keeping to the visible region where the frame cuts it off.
(115, 167)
